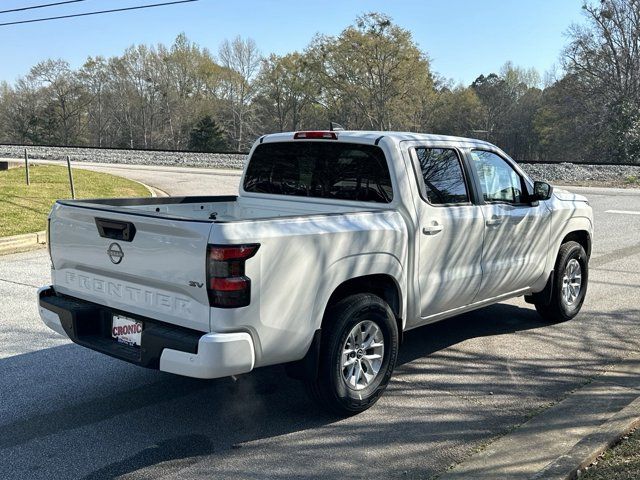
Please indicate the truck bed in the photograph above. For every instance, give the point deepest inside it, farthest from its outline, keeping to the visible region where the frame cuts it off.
(147, 256)
(213, 209)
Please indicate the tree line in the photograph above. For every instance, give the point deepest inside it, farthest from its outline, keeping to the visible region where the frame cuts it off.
(372, 76)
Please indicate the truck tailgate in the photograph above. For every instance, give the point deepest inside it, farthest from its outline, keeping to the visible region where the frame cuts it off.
(138, 264)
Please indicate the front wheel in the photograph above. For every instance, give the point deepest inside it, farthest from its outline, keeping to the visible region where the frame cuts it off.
(569, 284)
(358, 353)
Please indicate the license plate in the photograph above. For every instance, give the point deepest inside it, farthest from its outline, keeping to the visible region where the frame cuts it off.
(126, 330)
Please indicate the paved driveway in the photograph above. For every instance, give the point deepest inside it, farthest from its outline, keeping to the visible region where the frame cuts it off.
(68, 412)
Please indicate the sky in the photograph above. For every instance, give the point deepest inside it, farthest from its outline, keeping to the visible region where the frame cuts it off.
(463, 38)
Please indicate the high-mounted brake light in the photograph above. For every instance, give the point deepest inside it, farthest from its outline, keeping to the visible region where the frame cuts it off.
(227, 284)
(316, 135)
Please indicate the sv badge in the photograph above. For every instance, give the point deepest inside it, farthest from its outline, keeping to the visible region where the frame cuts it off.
(196, 284)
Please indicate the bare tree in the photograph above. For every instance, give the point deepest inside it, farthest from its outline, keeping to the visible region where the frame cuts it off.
(606, 51)
(94, 77)
(241, 60)
(604, 57)
(284, 92)
(20, 108)
(65, 95)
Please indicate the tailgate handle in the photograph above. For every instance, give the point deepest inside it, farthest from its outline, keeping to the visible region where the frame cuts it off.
(115, 229)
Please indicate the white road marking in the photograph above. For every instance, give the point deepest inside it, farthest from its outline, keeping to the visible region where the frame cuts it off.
(625, 212)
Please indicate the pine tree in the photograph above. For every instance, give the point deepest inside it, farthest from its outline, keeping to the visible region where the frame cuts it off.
(207, 136)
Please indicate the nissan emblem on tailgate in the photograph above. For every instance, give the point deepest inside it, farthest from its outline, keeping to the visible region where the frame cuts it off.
(115, 253)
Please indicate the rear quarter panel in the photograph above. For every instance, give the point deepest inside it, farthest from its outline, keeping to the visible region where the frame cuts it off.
(299, 264)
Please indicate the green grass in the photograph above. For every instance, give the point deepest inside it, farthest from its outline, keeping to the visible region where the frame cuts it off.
(24, 209)
(632, 180)
(621, 462)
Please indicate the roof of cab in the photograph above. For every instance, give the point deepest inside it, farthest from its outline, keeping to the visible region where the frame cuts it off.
(362, 136)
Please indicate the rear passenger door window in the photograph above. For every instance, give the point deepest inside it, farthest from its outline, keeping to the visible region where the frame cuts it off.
(442, 175)
(499, 182)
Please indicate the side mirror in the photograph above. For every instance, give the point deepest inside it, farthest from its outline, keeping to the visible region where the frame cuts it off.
(541, 191)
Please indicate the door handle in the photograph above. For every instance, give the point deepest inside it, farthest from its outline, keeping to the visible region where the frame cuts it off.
(115, 230)
(432, 229)
(494, 221)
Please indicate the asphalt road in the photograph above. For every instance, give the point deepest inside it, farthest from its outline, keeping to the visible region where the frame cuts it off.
(68, 412)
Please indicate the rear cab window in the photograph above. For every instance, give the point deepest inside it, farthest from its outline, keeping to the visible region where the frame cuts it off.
(341, 171)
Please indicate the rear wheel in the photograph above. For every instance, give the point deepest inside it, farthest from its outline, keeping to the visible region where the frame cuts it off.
(358, 353)
(569, 284)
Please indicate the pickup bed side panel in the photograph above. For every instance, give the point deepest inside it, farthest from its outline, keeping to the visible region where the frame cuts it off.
(298, 264)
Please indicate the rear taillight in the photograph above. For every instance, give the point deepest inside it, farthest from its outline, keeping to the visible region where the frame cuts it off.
(227, 285)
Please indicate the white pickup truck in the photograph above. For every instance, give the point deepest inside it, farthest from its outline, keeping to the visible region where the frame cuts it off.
(337, 244)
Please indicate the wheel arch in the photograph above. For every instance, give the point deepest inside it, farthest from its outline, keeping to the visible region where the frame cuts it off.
(380, 284)
(578, 229)
(583, 237)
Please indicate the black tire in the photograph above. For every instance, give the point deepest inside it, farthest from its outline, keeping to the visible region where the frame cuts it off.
(558, 310)
(330, 389)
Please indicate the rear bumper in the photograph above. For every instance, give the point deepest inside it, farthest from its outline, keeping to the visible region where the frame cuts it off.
(218, 355)
(165, 347)
(50, 318)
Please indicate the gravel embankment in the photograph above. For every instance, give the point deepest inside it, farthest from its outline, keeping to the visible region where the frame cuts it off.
(135, 157)
(564, 173)
(582, 174)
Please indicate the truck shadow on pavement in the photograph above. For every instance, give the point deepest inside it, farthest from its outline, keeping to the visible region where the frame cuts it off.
(167, 423)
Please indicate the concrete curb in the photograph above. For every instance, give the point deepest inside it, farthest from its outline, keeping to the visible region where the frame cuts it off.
(21, 243)
(563, 439)
(155, 192)
(587, 450)
(9, 164)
